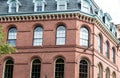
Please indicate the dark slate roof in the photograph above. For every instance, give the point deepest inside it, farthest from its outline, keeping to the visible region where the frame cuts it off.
(28, 6)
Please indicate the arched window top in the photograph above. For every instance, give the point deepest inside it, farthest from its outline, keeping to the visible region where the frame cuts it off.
(38, 28)
(113, 75)
(9, 62)
(61, 27)
(36, 61)
(59, 60)
(12, 30)
(83, 62)
(84, 29)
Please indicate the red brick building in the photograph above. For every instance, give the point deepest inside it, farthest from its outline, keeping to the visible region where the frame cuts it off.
(64, 42)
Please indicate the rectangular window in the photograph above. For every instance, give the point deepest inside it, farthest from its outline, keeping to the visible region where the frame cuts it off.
(39, 8)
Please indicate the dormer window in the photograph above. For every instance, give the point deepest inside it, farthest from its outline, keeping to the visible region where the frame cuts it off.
(85, 6)
(13, 6)
(62, 4)
(39, 5)
(106, 19)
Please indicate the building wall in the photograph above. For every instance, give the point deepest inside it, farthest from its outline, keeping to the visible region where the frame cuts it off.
(72, 52)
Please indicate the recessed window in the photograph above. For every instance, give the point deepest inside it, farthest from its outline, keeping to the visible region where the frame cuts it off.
(38, 36)
(100, 72)
(12, 34)
(59, 68)
(107, 73)
(113, 55)
(86, 6)
(113, 75)
(83, 69)
(13, 6)
(84, 38)
(99, 43)
(62, 4)
(60, 35)
(39, 5)
(107, 50)
(8, 72)
(36, 67)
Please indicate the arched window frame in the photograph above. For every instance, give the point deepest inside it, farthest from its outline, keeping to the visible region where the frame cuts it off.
(9, 66)
(35, 68)
(113, 75)
(84, 68)
(38, 36)
(100, 72)
(107, 73)
(84, 37)
(107, 49)
(113, 54)
(61, 35)
(12, 36)
(59, 68)
(100, 42)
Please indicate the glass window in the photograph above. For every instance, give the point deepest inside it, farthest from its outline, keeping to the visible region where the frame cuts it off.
(99, 43)
(107, 50)
(100, 72)
(86, 6)
(38, 36)
(12, 34)
(8, 72)
(59, 68)
(107, 73)
(13, 7)
(36, 67)
(114, 75)
(113, 55)
(83, 69)
(39, 7)
(60, 35)
(84, 41)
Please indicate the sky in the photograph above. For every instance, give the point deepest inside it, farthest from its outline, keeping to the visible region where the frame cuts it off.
(112, 7)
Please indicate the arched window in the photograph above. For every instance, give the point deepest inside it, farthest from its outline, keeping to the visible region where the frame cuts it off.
(107, 73)
(59, 68)
(113, 75)
(8, 72)
(83, 69)
(99, 43)
(38, 36)
(60, 35)
(107, 50)
(84, 38)
(36, 67)
(12, 34)
(113, 55)
(100, 72)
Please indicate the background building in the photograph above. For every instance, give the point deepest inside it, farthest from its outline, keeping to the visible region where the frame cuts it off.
(59, 39)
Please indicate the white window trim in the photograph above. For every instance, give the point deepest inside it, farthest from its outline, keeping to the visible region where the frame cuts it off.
(10, 5)
(43, 3)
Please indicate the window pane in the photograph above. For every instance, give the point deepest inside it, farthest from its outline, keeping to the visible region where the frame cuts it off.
(107, 50)
(38, 36)
(99, 43)
(84, 37)
(36, 67)
(12, 34)
(8, 73)
(83, 69)
(60, 37)
(59, 68)
(113, 55)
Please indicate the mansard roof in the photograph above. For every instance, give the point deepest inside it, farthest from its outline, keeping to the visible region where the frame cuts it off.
(28, 5)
